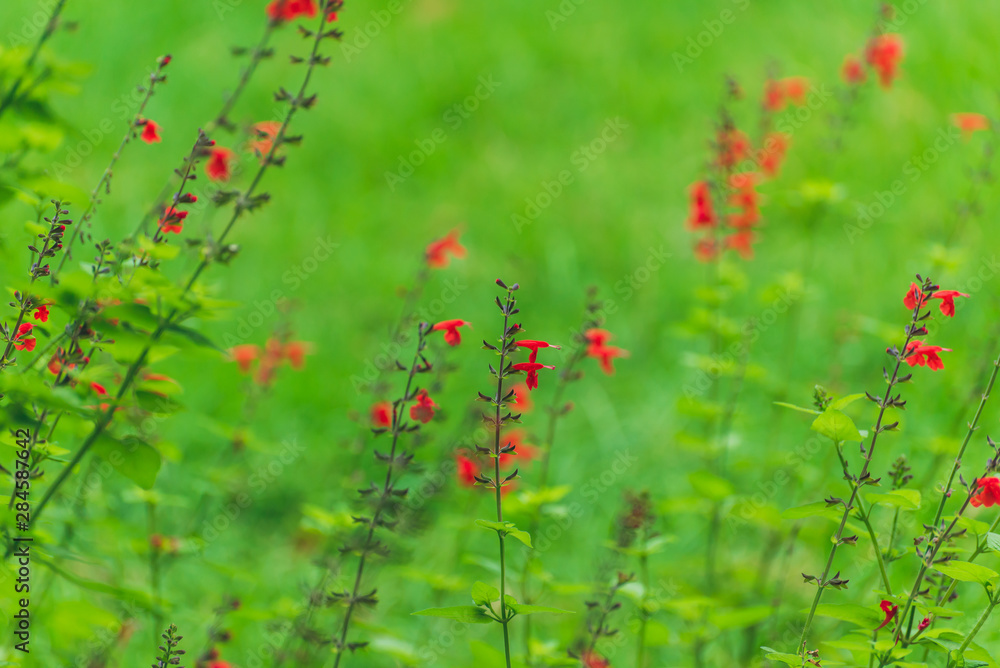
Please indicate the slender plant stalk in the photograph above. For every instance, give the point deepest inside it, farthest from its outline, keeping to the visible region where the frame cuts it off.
(958, 653)
(104, 184)
(386, 493)
(865, 516)
(823, 581)
(47, 32)
(244, 203)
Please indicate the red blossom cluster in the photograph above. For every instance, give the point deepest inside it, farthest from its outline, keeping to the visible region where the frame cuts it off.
(883, 54)
(598, 348)
(988, 494)
(779, 92)
(21, 343)
(918, 353)
(289, 10)
(440, 251)
(270, 358)
(468, 466)
(969, 123)
(532, 366)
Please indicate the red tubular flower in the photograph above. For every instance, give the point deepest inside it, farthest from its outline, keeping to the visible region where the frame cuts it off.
(597, 348)
(440, 251)
(150, 132)
(853, 71)
(924, 355)
(733, 146)
(423, 409)
(295, 352)
(947, 297)
(533, 346)
(521, 401)
(172, 220)
(742, 243)
(969, 123)
(381, 414)
(773, 153)
(467, 470)
(219, 166)
(594, 660)
(924, 623)
(706, 250)
(220, 664)
(890, 611)
(884, 53)
(779, 92)
(796, 89)
(289, 10)
(745, 199)
(24, 344)
(450, 327)
(523, 452)
(988, 494)
(97, 387)
(244, 355)
(774, 95)
(42, 313)
(702, 214)
(264, 134)
(531, 370)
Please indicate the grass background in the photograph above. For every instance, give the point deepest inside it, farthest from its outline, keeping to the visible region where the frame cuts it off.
(559, 84)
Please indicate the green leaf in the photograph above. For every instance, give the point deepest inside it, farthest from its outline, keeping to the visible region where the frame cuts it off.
(846, 401)
(524, 609)
(796, 408)
(711, 486)
(905, 499)
(787, 659)
(963, 571)
(484, 594)
(133, 458)
(993, 541)
(836, 426)
(467, 614)
(813, 509)
(507, 528)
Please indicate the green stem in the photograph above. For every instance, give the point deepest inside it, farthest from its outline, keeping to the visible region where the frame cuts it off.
(496, 479)
(975, 629)
(50, 28)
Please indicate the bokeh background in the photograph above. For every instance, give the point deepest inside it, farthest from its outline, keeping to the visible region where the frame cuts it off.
(558, 75)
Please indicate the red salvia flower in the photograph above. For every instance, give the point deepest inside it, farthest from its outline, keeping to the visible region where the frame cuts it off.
(890, 611)
(598, 348)
(42, 313)
(531, 370)
(742, 243)
(779, 92)
(24, 344)
(172, 220)
(97, 387)
(774, 95)
(733, 147)
(218, 166)
(244, 355)
(440, 251)
(702, 214)
(745, 199)
(594, 660)
(988, 494)
(969, 123)
(521, 401)
(289, 10)
(796, 89)
(947, 297)
(706, 250)
(533, 346)
(264, 134)
(423, 409)
(853, 71)
(381, 414)
(924, 623)
(150, 132)
(884, 53)
(924, 355)
(467, 470)
(450, 328)
(295, 352)
(773, 154)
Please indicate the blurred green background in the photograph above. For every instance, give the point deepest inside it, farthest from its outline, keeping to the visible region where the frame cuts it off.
(561, 72)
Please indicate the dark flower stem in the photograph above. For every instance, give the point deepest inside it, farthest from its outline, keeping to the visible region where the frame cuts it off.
(47, 32)
(973, 426)
(387, 491)
(821, 583)
(104, 184)
(243, 204)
